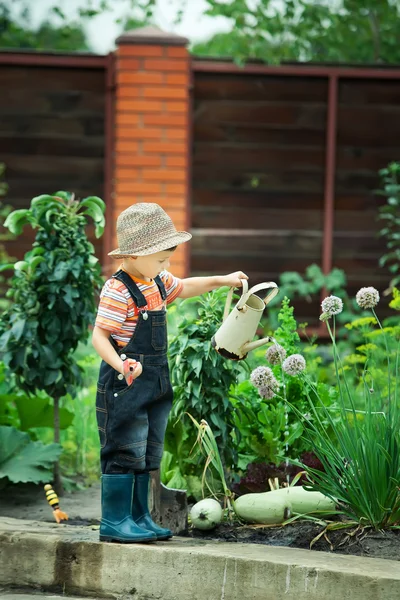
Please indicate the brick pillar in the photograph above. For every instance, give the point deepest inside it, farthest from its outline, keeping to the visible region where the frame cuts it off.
(151, 162)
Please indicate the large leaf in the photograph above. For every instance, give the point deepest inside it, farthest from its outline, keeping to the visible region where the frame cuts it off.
(22, 460)
(38, 412)
(16, 220)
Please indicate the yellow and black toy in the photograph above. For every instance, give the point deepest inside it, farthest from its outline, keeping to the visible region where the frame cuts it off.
(52, 499)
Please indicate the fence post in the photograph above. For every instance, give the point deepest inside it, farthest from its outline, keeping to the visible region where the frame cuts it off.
(151, 162)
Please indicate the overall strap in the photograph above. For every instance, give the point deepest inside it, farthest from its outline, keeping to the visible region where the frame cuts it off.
(133, 289)
(161, 287)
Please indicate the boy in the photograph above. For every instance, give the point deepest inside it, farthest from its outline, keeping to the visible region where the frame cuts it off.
(134, 394)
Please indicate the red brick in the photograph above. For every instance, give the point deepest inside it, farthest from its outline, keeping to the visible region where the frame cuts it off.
(140, 50)
(150, 64)
(167, 147)
(130, 173)
(126, 119)
(139, 105)
(128, 64)
(164, 119)
(176, 107)
(175, 188)
(134, 133)
(138, 160)
(175, 79)
(141, 78)
(176, 161)
(177, 52)
(165, 92)
(128, 92)
(176, 134)
(126, 146)
(163, 175)
(137, 187)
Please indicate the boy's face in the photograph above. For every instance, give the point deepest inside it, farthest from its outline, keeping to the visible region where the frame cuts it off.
(149, 266)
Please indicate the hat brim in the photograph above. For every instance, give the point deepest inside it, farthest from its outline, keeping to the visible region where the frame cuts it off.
(180, 237)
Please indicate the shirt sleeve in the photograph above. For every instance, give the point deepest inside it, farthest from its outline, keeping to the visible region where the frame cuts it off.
(173, 285)
(113, 308)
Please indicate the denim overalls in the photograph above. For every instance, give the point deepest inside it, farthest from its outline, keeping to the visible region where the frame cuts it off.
(132, 419)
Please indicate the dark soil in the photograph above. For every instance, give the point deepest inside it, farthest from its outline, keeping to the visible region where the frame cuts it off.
(300, 535)
(83, 508)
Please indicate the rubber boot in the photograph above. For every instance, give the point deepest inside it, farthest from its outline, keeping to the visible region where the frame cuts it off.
(117, 524)
(140, 507)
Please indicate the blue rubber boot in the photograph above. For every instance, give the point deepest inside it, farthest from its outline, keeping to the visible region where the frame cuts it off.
(117, 524)
(140, 507)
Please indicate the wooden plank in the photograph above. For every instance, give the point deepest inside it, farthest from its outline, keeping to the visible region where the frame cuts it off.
(255, 198)
(267, 218)
(55, 124)
(361, 92)
(312, 116)
(88, 147)
(52, 78)
(210, 86)
(235, 179)
(226, 154)
(257, 133)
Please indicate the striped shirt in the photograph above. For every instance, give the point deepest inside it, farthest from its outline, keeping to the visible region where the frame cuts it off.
(118, 313)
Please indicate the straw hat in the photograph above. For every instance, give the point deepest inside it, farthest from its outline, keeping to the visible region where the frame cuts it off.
(145, 228)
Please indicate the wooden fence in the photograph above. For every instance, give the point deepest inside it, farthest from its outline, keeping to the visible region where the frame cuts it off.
(284, 160)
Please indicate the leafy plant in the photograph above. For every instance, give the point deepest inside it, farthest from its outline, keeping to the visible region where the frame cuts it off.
(266, 430)
(306, 30)
(22, 460)
(53, 296)
(200, 376)
(390, 214)
(5, 210)
(361, 452)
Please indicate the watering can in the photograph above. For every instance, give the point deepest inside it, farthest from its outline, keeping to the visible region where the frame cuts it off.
(233, 338)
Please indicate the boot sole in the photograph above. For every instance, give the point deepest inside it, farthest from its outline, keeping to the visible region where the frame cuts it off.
(106, 538)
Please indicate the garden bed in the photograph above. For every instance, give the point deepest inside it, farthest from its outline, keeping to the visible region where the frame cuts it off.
(299, 535)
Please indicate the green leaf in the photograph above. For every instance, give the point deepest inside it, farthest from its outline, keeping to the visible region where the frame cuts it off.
(97, 215)
(93, 200)
(22, 460)
(39, 412)
(16, 220)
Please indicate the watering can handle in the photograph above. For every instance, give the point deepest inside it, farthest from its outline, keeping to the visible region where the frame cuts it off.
(257, 288)
(245, 287)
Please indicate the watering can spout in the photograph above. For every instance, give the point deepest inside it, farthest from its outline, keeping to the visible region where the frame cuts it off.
(256, 344)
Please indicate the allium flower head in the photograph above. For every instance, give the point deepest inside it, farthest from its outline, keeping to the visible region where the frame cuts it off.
(332, 305)
(324, 317)
(294, 364)
(263, 377)
(267, 392)
(367, 297)
(275, 354)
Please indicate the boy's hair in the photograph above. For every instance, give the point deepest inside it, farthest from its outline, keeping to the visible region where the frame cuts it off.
(170, 249)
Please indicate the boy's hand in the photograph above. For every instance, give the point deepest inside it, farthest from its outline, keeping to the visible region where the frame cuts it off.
(234, 279)
(131, 369)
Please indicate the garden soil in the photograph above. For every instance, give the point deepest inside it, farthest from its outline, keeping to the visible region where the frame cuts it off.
(83, 507)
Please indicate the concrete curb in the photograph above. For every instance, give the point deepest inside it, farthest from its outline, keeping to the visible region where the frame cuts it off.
(69, 559)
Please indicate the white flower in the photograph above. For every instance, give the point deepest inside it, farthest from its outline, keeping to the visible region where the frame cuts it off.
(367, 297)
(275, 354)
(332, 305)
(263, 377)
(267, 392)
(294, 364)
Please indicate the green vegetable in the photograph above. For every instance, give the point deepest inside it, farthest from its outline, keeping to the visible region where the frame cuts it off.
(277, 506)
(206, 514)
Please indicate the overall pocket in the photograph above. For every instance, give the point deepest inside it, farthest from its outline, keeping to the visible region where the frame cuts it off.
(101, 413)
(120, 387)
(159, 333)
